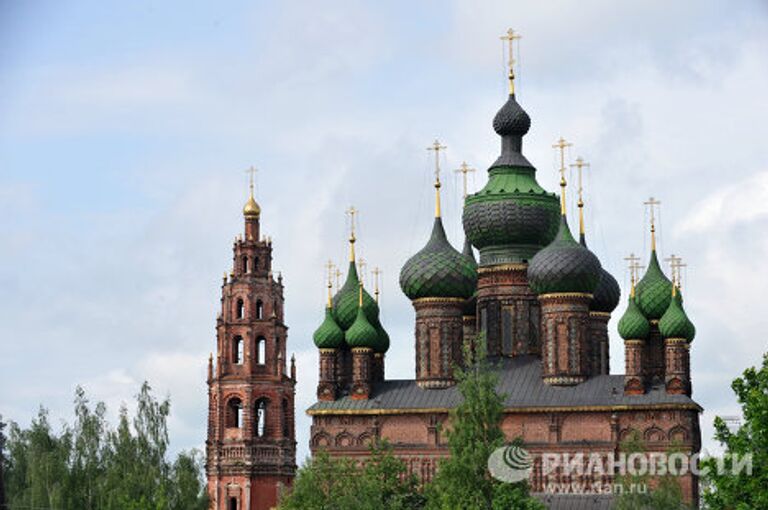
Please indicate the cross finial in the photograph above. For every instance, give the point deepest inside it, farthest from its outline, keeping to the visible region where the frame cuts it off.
(634, 269)
(510, 37)
(580, 164)
(561, 144)
(361, 265)
(330, 266)
(676, 264)
(251, 175)
(437, 148)
(652, 203)
(352, 212)
(464, 169)
(338, 274)
(376, 272)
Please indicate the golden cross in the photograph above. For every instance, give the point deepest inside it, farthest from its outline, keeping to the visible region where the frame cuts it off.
(634, 266)
(361, 265)
(330, 267)
(675, 263)
(510, 37)
(437, 148)
(652, 203)
(338, 278)
(251, 174)
(562, 144)
(376, 272)
(464, 169)
(580, 165)
(352, 212)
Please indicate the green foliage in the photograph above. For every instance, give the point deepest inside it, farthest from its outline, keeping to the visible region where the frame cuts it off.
(640, 493)
(89, 466)
(463, 480)
(333, 483)
(737, 489)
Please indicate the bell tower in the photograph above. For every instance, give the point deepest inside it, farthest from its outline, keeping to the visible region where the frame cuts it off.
(251, 447)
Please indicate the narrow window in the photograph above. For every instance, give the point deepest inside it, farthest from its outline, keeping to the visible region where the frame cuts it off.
(234, 418)
(261, 417)
(237, 350)
(245, 264)
(259, 309)
(232, 503)
(255, 263)
(240, 312)
(286, 419)
(261, 350)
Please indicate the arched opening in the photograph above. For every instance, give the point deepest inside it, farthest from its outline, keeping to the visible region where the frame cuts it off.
(255, 263)
(234, 416)
(259, 309)
(260, 418)
(240, 309)
(286, 419)
(246, 269)
(232, 504)
(261, 350)
(237, 350)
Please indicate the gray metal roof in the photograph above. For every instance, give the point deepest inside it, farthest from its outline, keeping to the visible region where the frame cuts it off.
(520, 381)
(576, 501)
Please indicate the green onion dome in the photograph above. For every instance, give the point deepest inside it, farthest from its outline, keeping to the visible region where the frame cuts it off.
(564, 266)
(361, 333)
(345, 302)
(383, 343)
(654, 290)
(329, 335)
(675, 322)
(607, 294)
(633, 325)
(512, 217)
(438, 270)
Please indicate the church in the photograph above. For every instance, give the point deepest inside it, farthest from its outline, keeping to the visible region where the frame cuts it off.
(536, 297)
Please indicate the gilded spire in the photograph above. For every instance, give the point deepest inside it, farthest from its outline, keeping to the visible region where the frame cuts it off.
(437, 148)
(251, 208)
(352, 212)
(360, 298)
(652, 203)
(464, 170)
(634, 269)
(561, 144)
(330, 266)
(510, 37)
(580, 165)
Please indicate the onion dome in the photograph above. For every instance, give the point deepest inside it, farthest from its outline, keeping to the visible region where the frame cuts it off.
(607, 294)
(564, 266)
(361, 333)
(345, 302)
(654, 290)
(383, 343)
(438, 270)
(633, 325)
(512, 217)
(329, 335)
(675, 322)
(251, 208)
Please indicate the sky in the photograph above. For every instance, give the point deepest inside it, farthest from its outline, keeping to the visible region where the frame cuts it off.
(126, 129)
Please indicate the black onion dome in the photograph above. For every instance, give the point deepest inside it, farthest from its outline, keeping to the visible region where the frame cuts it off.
(511, 119)
(564, 266)
(607, 293)
(438, 270)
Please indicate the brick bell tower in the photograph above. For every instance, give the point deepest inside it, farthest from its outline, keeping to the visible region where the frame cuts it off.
(251, 446)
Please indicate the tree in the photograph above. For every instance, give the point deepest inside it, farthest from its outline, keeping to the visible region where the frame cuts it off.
(639, 493)
(333, 483)
(3, 468)
(463, 480)
(90, 466)
(729, 485)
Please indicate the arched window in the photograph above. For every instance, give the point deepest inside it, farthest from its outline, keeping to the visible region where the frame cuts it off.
(255, 263)
(246, 269)
(237, 350)
(286, 419)
(260, 417)
(234, 417)
(259, 309)
(261, 350)
(232, 504)
(240, 310)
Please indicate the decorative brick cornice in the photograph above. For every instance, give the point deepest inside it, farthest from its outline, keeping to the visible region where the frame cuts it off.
(327, 351)
(500, 268)
(676, 341)
(509, 410)
(362, 350)
(565, 296)
(439, 300)
(634, 341)
(601, 315)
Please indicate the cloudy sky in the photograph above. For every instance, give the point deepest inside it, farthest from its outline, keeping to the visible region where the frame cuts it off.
(126, 127)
